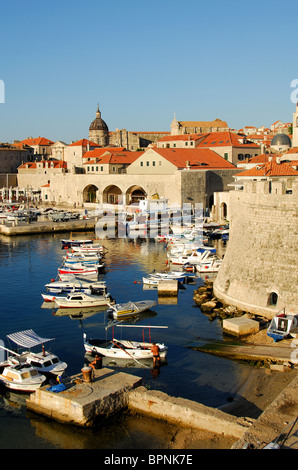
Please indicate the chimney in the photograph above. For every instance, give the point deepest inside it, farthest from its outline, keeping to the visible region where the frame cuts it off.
(278, 160)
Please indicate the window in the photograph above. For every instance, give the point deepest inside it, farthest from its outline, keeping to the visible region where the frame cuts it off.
(226, 156)
(147, 163)
(153, 163)
(97, 168)
(141, 163)
(240, 156)
(88, 168)
(272, 299)
(101, 168)
(92, 168)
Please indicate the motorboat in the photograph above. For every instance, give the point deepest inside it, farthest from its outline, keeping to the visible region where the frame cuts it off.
(72, 243)
(21, 378)
(90, 248)
(90, 290)
(211, 266)
(130, 309)
(123, 349)
(75, 285)
(167, 275)
(195, 257)
(84, 258)
(81, 270)
(81, 299)
(281, 325)
(44, 361)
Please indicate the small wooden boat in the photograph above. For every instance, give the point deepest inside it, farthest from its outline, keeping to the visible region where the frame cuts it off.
(76, 285)
(81, 270)
(281, 325)
(71, 243)
(130, 309)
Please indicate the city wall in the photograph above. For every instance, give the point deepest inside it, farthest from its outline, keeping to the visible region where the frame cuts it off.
(259, 271)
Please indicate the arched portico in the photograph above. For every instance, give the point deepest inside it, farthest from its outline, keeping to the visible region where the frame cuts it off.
(111, 194)
(90, 194)
(135, 194)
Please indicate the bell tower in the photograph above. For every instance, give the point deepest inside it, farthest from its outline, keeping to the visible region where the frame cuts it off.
(295, 128)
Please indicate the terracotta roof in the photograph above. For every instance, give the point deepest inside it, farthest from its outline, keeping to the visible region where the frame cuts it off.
(33, 165)
(262, 158)
(292, 150)
(98, 152)
(225, 139)
(37, 141)
(270, 169)
(83, 143)
(199, 159)
(109, 157)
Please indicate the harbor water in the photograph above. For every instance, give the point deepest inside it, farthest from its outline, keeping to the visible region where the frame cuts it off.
(28, 263)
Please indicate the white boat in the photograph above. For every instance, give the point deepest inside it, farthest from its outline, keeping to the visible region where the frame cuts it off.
(167, 275)
(194, 257)
(84, 258)
(72, 242)
(91, 248)
(123, 349)
(81, 270)
(91, 290)
(75, 285)
(44, 361)
(21, 378)
(130, 309)
(211, 266)
(81, 299)
(281, 325)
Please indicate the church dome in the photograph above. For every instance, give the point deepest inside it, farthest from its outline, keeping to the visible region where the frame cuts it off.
(98, 124)
(281, 139)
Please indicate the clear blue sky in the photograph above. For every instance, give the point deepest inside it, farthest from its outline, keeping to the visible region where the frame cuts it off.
(143, 62)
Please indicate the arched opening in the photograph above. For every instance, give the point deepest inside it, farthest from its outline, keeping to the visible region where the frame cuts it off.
(135, 194)
(223, 210)
(89, 194)
(111, 195)
(273, 298)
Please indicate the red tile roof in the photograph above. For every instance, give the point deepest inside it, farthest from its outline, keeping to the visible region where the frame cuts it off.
(212, 139)
(270, 169)
(84, 143)
(108, 157)
(98, 152)
(37, 141)
(33, 165)
(199, 159)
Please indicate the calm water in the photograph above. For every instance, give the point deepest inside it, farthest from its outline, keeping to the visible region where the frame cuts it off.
(28, 263)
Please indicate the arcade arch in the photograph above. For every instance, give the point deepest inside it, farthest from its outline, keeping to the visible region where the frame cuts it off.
(111, 194)
(135, 194)
(90, 193)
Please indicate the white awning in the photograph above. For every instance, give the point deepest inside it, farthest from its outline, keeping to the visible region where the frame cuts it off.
(27, 338)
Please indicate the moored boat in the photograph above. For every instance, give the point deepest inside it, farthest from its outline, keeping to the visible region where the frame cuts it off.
(281, 325)
(81, 299)
(44, 361)
(21, 378)
(130, 309)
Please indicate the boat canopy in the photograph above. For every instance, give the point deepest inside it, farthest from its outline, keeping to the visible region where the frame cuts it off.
(27, 338)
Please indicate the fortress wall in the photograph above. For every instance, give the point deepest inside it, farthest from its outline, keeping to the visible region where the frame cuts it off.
(262, 253)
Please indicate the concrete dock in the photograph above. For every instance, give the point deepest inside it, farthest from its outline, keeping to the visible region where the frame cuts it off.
(80, 225)
(82, 403)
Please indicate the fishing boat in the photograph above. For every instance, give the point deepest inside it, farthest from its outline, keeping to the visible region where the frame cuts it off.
(84, 258)
(81, 270)
(194, 257)
(211, 266)
(90, 248)
(90, 290)
(72, 243)
(130, 309)
(124, 349)
(21, 378)
(81, 299)
(44, 361)
(168, 275)
(75, 285)
(281, 325)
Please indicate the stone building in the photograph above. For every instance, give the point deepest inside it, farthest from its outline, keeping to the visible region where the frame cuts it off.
(195, 127)
(259, 270)
(12, 156)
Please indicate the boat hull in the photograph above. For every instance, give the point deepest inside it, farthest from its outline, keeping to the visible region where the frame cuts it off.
(110, 349)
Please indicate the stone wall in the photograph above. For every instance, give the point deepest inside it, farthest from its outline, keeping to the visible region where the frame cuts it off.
(259, 272)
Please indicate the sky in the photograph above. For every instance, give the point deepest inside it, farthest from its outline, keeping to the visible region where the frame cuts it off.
(143, 62)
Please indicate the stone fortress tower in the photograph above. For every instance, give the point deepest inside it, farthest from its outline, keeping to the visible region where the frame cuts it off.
(98, 130)
(259, 271)
(295, 128)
